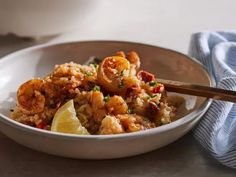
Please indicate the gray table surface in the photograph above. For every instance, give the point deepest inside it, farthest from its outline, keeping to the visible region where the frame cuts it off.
(185, 157)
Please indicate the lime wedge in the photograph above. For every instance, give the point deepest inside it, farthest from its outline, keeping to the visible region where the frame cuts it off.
(65, 120)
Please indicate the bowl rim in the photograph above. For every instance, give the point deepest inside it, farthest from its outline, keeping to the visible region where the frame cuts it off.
(183, 120)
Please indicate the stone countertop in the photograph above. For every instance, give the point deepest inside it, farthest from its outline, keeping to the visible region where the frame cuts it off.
(185, 157)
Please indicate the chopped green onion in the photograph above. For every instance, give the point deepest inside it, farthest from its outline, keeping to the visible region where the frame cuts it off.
(153, 83)
(96, 88)
(107, 98)
(153, 96)
(94, 65)
(130, 111)
(87, 73)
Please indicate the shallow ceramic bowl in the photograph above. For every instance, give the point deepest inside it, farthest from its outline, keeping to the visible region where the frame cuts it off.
(43, 17)
(37, 61)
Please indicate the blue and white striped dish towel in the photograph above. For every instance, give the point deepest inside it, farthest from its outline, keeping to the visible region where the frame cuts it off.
(216, 132)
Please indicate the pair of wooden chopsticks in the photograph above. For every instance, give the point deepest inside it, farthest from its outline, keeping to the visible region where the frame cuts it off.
(199, 90)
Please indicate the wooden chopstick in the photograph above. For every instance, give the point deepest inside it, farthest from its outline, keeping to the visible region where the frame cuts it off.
(199, 90)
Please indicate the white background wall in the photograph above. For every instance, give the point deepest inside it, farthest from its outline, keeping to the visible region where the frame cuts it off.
(167, 23)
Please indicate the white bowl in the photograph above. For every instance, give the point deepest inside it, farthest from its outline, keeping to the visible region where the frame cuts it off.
(23, 65)
(45, 17)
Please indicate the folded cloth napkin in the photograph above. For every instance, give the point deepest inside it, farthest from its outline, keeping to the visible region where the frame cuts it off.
(216, 132)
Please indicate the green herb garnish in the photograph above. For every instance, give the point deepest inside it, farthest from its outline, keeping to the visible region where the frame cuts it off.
(153, 83)
(94, 65)
(107, 98)
(153, 96)
(96, 88)
(130, 111)
(87, 73)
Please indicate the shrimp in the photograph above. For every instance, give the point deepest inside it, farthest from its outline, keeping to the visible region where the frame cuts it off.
(30, 98)
(98, 105)
(110, 125)
(120, 54)
(67, 70)
(66, 77)
(133, 122)
(111, 73)
(132, 86)
(117, 105)
(134, 59)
